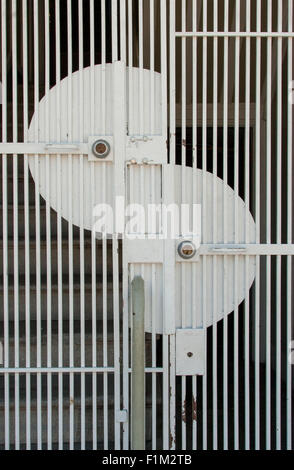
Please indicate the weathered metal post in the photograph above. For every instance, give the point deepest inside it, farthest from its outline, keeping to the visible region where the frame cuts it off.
(138, 365)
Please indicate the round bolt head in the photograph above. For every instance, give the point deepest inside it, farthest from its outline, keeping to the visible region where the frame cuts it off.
(190, 354)
(187, 249)
(101, 148)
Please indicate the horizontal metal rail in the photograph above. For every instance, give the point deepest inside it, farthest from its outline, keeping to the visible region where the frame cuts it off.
(233, 34)
(69, 370)
(43, 148)
(247, 249)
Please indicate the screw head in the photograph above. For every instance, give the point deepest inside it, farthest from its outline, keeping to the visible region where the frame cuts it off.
(187, 249)
(101, 148)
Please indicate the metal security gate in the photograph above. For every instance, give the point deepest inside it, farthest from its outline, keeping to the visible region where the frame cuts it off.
(115, 106)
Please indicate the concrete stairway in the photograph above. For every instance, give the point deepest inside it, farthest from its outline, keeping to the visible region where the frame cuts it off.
(59, 311)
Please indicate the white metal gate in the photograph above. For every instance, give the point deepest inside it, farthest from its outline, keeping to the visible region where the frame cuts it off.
(194, 99)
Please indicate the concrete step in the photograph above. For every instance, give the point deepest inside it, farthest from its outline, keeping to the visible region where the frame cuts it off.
(61, 347)
(32, 221)
(68, 404)
(20, 186)
(64, 300)
(66, 426)
(71, 397)
(54, 247)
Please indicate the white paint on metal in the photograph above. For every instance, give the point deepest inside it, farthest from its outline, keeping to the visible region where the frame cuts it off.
(210, 247)
(81, 136)
(146, 149)
(190, 352)
(135, 109)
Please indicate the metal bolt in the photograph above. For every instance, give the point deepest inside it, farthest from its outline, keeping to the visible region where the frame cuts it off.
(101, 148)
(189, 354)
(186, 249)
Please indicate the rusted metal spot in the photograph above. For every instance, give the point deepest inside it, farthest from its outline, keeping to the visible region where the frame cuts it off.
(171, 440)
(184, 142)
(71, 401)
(184, 412)
(194, 408)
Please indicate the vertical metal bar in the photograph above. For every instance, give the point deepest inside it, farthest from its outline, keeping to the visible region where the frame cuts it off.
(154, 375)
(114, 25)
(105, 353)
(236, 259)
(130, 63)
(15, 221)
(104, 240)
(123, 36)
(257, 221)
(152, 59)
(165, 390)
(204, 199)
(59, 228)
(141, 70)
(163, 67)
(289, 227)
(125, 351)
(214, 219)
(172, 159)
(268, 226)
(48, 231)
(70, 229)
(195, 13)
(139, 325)
(93, 236)
(125, 287)
(26, 223)
(170, 440)
(138, 364)
(119, 117)
(172, 83)
(82, 236)
(119, 134)
(247, 206)
(5, 224)
(183, 198)
(153, 266)
(103, 64)
(225, 215)
(116, 339)
(37, 209)
(278, 229)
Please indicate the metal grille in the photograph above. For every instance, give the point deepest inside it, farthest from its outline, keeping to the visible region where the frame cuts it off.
(214, 78)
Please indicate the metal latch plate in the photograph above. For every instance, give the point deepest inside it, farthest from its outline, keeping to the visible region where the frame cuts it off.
(146, 150)
(190, 352)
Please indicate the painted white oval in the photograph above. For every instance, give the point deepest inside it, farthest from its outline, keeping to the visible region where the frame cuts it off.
(204, 294)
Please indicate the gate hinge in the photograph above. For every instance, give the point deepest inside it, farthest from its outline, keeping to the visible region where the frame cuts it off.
(122, 416)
